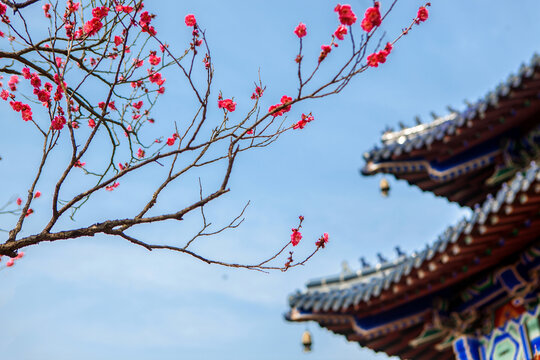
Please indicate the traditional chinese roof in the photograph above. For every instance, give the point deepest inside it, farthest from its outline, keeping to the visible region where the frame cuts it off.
(386, 307)
(458, 155)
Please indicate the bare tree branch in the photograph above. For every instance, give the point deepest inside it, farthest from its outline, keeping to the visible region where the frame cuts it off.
(90, 70)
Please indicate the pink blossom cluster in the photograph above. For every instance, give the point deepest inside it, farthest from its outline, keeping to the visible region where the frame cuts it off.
(153, 59)
(46, 9)
(346, 18)
(138, 63)
(11, 261)
(61, 84)
(136, 84)
(227, 104)
(29, 212)
(340, 32)
(58, 61)
(322, 241)
(375, 59)
(69, 25)
(43, 95)
(302, 123)
(100, 12)
(137, 105)
(3, 9)
(123, 166)
(137, 109)
(111, 105)
(155, 78)
(72, 7)
(372, 18)
(325, 50)
(92, 26)
(122, 8)
(206, 61)
(190, 20)
(284, 106)
(24, 109)
(422, 14)
(257, 93)
(12, 83)
(300, 30)
(112, 187)
(296, 236)
(58, 122)
(118, 40)
(346, 15)
(172, 139)
(144, 22)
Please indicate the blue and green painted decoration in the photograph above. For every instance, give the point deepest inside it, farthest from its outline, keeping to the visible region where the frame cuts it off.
(518, 339)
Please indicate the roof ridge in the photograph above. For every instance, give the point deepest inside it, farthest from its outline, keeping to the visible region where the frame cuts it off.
(418, 135)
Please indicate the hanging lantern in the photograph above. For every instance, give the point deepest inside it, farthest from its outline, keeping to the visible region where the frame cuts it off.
(306, 341)
(385, 187)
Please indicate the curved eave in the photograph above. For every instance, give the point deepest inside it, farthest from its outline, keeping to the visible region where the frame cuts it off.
(419, 154)
(503, 225)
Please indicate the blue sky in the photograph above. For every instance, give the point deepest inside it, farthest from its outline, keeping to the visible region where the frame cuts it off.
(102, 298)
